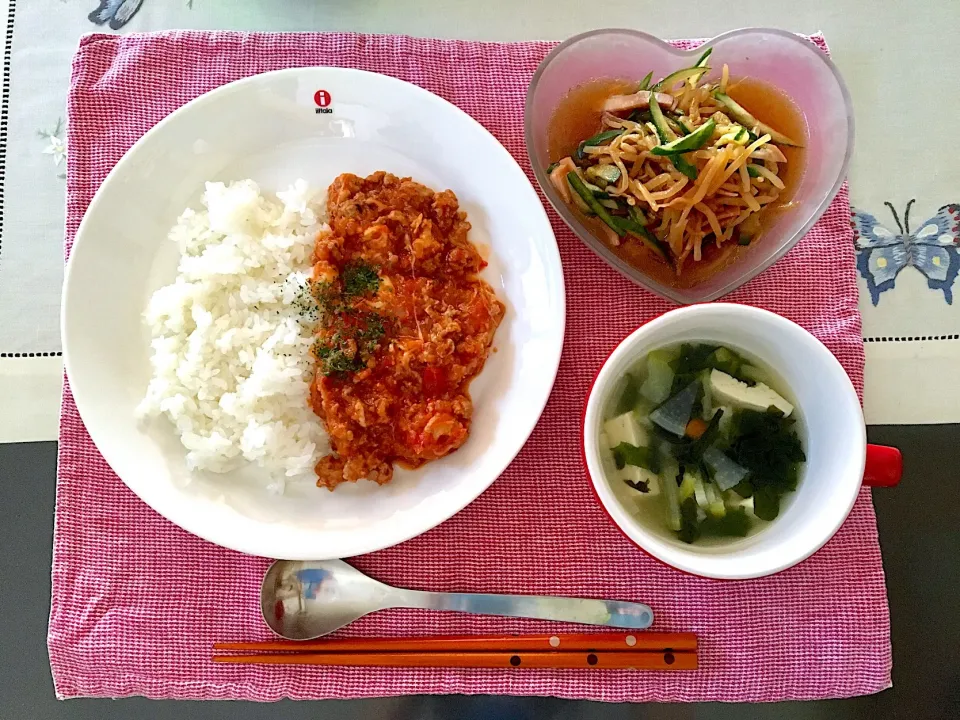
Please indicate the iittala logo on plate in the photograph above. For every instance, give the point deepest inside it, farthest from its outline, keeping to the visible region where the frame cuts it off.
(322, 99)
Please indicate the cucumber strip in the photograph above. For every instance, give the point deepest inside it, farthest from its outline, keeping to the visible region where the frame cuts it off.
(641, 233)
(684, 166)
(703, 58)
(753, 172)
(679, 76)
(743, 116)
(602, 137)
(645, 83)
(605, 173)
(682, 125)
(667, 135)
(688, 143)
(636, 214)
(675, 126)
(660, 122)
(578, 202)
(580, 189)
(551, 167)
(598, 139)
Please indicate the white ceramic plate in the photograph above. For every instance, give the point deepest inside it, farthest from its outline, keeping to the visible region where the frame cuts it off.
(267, 128)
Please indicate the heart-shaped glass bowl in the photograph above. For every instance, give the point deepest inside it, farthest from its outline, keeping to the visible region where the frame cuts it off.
(791, 63)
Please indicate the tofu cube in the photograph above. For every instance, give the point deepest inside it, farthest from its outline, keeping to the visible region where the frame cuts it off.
(727, 390)
(625, 429)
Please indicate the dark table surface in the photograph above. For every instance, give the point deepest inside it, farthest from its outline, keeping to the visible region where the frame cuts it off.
(919, 532)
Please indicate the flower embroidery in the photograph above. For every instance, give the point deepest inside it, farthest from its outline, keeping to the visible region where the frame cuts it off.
(56, 143)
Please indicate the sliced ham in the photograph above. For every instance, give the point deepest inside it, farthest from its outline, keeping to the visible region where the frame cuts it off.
(637, 101)
(559, 178)
(612, 237)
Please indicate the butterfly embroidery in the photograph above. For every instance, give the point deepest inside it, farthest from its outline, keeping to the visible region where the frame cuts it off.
(932, 250)
(116, 12)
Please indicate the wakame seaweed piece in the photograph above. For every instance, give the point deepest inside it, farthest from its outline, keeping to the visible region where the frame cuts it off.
(744, 489)
(644, 457)
(629, 397)
(766, 503)
(787, 482)
(690, 452)
(767, 436)
(689, 521)
(693, 358)
(639, 486)
(767, 444)
(735, 523)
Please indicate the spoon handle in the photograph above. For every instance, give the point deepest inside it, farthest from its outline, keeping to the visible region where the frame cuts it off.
(612, 613)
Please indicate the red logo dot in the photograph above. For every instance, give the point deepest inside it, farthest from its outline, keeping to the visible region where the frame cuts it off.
(322, 98)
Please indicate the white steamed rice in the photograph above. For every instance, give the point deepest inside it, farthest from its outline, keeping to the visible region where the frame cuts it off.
(231, 338)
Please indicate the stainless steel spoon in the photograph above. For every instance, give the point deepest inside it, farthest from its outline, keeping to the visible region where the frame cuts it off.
(304, 600)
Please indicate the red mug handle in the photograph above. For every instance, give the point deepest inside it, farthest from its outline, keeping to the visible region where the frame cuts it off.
(884, 466)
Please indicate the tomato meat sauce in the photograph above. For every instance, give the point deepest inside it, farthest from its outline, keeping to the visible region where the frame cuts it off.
(405, 324)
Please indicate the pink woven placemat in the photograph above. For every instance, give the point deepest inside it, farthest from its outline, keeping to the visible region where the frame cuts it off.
(137, 602)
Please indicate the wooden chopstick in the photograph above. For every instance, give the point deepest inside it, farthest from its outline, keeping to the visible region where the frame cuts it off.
(626, 642)
(638, 651)
(643, 660)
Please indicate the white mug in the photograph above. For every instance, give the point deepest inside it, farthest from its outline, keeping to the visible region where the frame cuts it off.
(834, 440)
